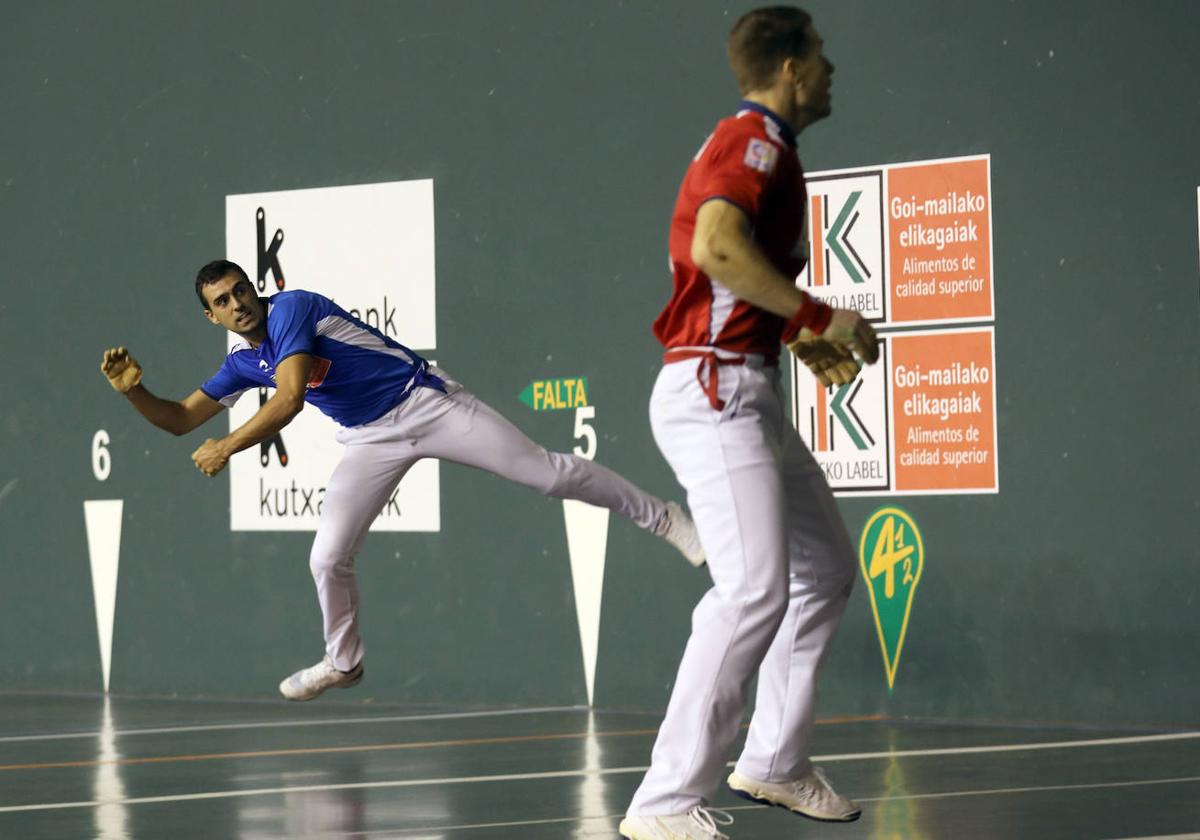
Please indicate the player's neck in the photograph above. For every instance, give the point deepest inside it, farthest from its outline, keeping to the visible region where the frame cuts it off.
(255, 338)
(780, 102)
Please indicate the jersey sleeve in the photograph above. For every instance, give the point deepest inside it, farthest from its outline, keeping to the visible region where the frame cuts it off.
(738, 166)
(226, 385)
(292, 325)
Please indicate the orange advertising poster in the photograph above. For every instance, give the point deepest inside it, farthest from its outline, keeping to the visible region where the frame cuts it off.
(909, 247)
(940, 241)
(943, 388)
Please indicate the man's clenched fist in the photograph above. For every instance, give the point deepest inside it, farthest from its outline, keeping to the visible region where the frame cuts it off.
(121, 369)
(210, 458)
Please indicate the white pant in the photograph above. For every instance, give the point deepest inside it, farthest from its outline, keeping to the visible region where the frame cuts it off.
(453, 426)
(782, 567)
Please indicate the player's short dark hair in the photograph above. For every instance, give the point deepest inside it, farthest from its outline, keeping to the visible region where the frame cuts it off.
(762, 40)
(214, 271)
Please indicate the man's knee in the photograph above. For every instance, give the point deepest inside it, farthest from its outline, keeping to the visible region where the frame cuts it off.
(761, 611)
(565, 471)
(773, 606)
(330, 556)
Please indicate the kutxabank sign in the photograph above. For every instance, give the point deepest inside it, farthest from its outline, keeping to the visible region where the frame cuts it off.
(370, 248)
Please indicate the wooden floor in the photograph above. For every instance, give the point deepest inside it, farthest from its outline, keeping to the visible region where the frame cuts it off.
(83, 767)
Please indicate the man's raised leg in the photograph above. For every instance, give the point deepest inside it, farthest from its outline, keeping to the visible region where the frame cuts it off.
(473, 433)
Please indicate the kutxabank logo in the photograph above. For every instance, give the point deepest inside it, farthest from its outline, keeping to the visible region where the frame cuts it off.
(370, 248)
(268, 260)
(268, 257)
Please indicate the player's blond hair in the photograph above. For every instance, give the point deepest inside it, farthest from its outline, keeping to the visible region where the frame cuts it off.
(762, 39)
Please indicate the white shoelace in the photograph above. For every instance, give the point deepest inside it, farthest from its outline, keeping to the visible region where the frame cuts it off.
(709, 818)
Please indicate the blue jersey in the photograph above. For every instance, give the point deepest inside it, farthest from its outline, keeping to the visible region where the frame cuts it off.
(358, 374)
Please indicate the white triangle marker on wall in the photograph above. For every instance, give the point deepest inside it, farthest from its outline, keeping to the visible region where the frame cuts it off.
(587, 540)
(103, 519)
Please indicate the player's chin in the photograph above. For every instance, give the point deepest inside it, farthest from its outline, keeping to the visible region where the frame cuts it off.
(818, 112)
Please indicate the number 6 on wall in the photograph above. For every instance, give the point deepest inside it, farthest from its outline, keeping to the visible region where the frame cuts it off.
(101, 460)
(583, 430)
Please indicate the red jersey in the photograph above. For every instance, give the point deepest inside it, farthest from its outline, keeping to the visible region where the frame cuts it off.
(749, 160)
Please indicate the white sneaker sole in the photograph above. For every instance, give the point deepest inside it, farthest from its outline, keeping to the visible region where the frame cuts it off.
(628, 834)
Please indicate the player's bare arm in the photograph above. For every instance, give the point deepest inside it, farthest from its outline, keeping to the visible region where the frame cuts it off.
(291, 378)
(723, 247)
(177, 417)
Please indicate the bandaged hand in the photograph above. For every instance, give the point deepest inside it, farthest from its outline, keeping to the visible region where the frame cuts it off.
(832, 343)
(830, 363)
(121, 369)
(848, 329)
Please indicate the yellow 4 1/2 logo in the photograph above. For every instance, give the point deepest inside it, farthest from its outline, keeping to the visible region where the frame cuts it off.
(891, 551)
(891, 555)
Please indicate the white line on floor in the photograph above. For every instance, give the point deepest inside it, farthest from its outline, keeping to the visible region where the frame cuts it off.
(520, 777)
(229, 794)
(1036, 745)
(217, 727)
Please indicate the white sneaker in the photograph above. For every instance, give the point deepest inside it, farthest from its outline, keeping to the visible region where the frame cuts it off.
(677, 528)
(310, 682)
(700, 823)
(810, 796)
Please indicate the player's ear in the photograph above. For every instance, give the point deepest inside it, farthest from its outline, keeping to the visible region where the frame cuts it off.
(789, 71)
(211, 317)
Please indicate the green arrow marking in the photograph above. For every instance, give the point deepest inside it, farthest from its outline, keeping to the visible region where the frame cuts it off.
(526, 396)
(840, 413)
(833, 238)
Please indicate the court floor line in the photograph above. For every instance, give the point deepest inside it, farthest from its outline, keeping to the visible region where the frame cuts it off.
(516, 739)
(345, 721)
(407, 745)
(230, 794)
(218, 727)
(1034, 745)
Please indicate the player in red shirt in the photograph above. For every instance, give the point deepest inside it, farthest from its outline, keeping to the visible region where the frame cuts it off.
(780, 558)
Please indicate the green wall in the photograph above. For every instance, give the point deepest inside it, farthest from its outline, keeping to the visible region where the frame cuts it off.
(556, 135)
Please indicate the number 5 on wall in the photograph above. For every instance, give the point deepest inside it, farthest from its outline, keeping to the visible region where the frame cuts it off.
(583, 430)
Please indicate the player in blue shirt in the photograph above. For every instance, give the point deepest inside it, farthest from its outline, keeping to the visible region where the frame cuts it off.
(394, 409)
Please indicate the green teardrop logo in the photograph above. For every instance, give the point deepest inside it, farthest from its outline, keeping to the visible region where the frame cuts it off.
(891, 555)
